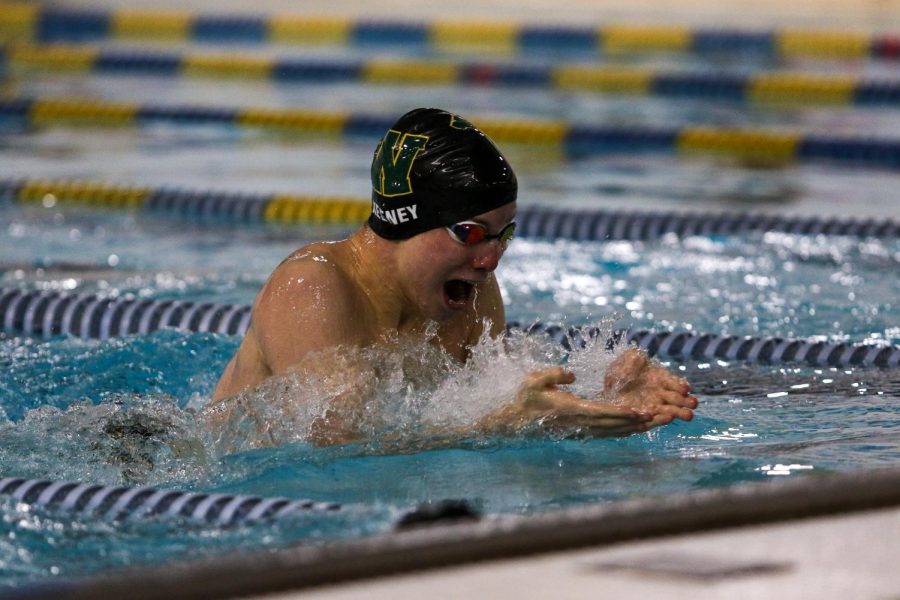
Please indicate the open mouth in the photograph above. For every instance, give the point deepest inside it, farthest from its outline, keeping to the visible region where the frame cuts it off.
(458, 293)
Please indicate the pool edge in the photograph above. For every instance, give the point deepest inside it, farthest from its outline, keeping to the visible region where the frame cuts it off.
(439, 546)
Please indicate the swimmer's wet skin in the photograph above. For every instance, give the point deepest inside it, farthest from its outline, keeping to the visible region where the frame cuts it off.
(469, 233)
(443, 213)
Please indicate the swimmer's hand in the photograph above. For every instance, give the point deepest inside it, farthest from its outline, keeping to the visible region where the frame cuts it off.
(541, 402)
(636, 381)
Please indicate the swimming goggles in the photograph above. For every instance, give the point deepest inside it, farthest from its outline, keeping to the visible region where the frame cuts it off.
(470, 233)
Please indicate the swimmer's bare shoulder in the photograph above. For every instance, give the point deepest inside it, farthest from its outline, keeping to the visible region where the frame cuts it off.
(310, 302)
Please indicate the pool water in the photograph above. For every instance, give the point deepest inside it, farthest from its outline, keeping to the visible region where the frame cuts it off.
(65, 402)
(69, 407)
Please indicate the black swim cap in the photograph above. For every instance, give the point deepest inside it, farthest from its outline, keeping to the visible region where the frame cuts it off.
(433, 169)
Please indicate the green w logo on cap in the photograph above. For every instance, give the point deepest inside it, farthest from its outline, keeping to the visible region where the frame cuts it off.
(393, 163)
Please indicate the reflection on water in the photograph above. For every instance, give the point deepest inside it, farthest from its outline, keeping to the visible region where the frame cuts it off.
(767, 284)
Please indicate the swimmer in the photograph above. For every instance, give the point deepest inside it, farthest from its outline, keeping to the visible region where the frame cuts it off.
(443, 213)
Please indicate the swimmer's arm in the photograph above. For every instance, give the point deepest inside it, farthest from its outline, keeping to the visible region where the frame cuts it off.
(305, 311)
(306, 306)
(289, 319)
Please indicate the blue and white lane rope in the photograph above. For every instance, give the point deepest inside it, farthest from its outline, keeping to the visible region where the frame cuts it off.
(137, 503)
(601, 225)
(710, 346)
(49, 313)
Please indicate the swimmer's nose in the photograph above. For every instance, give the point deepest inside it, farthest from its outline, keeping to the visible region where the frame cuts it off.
(488, 256)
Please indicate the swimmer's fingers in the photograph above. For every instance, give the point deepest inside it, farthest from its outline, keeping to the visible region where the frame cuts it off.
(678, 399)
(667, 414)
(675, 384)
(678, 412)
(551, 377)
(577, 411)
(602, 410)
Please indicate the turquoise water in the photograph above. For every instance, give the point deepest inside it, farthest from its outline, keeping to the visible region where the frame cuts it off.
(64, 402)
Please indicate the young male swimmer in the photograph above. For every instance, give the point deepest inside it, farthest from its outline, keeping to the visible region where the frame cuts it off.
(443, 212)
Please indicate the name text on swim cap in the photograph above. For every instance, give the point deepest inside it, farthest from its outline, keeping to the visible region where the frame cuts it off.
(395, 216)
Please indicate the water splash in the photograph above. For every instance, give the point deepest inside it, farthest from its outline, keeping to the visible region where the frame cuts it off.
(130, 439)
(404, 391)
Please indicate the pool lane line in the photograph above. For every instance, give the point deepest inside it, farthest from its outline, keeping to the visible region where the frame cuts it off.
(120, 503)
(707, 347)
(786, 88)
(757, 147)
(204, 206)
(50, 313)
(31, 22)
(539, 222)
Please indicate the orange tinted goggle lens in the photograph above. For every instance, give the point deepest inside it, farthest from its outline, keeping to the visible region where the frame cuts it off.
(472, 233)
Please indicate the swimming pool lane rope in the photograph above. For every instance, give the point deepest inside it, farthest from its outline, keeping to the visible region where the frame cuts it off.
(211, 207)
(140, 503)
(21, 22)
(784, 88)
(50, 313)
(757, 147)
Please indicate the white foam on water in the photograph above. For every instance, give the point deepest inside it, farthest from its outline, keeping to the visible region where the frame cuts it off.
(406, 389)
(127, 439)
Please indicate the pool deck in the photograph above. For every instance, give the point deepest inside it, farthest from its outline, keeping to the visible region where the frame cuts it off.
(850, 556)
